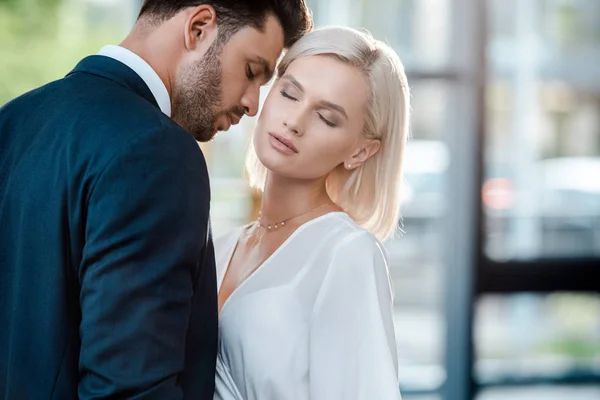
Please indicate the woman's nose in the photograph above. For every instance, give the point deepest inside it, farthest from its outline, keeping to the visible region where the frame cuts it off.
(293, 122)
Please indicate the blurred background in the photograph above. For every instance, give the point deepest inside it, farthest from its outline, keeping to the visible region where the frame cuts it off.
(497, 266)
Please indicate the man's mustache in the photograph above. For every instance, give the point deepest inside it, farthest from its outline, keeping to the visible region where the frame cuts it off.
(239, 111)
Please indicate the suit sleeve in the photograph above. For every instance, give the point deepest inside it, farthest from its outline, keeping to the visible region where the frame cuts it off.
(147, 221)
(352, 343)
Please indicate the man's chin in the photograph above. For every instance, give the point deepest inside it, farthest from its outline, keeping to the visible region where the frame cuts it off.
(201, 135)
(205, 136)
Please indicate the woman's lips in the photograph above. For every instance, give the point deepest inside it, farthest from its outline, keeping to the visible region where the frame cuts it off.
(282, 144)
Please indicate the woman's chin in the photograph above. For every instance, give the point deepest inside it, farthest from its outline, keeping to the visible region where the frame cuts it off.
(272, 160)
(275, 166)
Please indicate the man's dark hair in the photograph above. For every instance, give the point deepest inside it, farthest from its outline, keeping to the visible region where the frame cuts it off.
(233, 15)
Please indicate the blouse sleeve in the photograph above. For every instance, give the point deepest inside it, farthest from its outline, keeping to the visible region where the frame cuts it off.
(352, 342)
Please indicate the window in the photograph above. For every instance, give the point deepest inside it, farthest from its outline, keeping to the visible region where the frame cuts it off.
(537, 337)
(537, 316)
(541, 192)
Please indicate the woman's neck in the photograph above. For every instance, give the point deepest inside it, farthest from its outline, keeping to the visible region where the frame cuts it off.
(284, 198)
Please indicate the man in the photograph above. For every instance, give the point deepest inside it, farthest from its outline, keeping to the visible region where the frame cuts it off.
(107, 285)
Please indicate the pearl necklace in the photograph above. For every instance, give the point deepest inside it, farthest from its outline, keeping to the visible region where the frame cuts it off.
(280, 224)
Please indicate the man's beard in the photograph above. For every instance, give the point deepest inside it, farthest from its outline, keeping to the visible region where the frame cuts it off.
(197, 94)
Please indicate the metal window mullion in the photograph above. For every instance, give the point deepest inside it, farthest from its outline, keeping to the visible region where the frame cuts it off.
(462, 230)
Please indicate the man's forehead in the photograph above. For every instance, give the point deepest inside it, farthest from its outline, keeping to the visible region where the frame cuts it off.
(266, 43)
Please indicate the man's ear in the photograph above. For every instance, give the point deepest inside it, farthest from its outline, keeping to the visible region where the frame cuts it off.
(367, 150)
(200, 26)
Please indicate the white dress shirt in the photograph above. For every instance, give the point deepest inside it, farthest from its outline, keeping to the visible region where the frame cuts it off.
(314, 321)
(144, 70)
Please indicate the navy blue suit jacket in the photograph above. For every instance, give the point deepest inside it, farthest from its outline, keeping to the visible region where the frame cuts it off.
(107, 276)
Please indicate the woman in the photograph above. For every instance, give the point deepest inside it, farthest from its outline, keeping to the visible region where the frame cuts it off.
(305, 303)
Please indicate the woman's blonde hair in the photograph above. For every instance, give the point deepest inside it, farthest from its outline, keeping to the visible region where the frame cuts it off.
(370, 194)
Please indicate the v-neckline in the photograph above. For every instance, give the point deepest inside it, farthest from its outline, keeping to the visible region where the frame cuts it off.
(231, 252)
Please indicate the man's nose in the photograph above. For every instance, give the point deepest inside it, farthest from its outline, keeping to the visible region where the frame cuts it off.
(250, 101)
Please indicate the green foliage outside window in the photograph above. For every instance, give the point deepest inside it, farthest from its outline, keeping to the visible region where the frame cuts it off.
(42, 40)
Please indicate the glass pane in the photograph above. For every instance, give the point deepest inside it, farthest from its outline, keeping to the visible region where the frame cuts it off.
(65, 32)
(541, 192)
(230, 194)
(542, 393)
(419, 30)
(416, 255)
(422, 397)
(537, 336)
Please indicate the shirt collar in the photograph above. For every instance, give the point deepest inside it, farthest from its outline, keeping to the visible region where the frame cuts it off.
(144, 70)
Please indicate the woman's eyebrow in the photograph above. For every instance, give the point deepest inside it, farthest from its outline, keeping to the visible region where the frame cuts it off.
(325, 103)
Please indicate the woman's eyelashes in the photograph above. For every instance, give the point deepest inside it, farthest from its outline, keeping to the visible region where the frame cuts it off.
(325, 120)
(287, 95)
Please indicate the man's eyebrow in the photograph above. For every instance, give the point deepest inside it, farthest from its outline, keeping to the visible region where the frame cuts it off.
(265, 64)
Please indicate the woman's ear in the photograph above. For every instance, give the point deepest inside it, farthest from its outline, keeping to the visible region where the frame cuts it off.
(369, 148)
(200, 26)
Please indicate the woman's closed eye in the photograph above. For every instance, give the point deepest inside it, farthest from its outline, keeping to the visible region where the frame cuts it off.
(328, 122)
(287, 95)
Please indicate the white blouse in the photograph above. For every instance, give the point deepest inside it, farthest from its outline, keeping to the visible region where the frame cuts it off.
(314, 321)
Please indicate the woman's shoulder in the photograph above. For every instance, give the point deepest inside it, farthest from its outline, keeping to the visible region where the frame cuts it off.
(356, 257)
(351, 237)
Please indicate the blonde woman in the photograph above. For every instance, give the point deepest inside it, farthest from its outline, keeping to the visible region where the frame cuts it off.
(305, 303)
